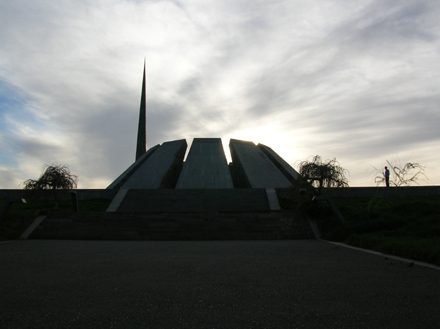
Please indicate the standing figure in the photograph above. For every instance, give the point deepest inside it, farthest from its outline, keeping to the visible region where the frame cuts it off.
(387, 177)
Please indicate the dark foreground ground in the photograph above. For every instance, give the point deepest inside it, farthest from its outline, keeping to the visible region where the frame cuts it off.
(225, 284)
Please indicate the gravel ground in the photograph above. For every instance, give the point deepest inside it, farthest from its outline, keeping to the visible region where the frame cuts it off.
(211, 284)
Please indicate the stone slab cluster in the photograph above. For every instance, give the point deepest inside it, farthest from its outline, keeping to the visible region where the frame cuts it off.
(163, 167)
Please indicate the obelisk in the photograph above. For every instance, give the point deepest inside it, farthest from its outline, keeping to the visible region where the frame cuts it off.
(141, 147)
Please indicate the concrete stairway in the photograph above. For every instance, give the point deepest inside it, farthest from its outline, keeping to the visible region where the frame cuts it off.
(194, 200)
(201, 226)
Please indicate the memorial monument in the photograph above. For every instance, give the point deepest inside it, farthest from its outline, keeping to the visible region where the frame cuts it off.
(163, 167)
(163, 196)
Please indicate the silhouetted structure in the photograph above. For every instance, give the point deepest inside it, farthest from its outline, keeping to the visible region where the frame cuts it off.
(162, 167)
(141, 146)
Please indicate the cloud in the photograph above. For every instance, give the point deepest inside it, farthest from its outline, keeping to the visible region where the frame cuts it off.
(351, 80)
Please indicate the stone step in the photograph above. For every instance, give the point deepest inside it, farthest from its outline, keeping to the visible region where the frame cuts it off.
(195, 200)
(214, 226)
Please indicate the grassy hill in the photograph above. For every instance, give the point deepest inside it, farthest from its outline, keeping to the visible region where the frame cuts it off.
(402, 226)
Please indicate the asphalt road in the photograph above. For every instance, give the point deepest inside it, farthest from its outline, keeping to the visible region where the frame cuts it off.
(212, 284)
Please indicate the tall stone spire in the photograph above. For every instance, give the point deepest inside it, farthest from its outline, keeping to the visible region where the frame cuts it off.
(141, 147)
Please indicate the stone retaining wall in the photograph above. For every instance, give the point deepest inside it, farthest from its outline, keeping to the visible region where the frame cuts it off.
(349, 192)
(369, 192)
(83, 194)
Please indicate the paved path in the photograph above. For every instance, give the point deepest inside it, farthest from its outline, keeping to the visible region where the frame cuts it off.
(215, 284)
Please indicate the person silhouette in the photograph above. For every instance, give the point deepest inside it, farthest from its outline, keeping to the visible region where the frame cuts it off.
(387, 177)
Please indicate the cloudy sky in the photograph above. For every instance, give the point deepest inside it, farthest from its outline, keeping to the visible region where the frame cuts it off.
(358, 81)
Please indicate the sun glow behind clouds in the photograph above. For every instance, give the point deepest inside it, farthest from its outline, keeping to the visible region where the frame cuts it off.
(353, 81)
(268, 135)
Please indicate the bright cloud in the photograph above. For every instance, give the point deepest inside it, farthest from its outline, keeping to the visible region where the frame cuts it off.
(353, 80)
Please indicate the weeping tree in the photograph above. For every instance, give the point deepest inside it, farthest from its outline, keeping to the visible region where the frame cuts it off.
(55, 177)
(401, 176)
(323, 174)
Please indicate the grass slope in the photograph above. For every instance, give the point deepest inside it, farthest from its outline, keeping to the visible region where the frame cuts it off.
(403, 226)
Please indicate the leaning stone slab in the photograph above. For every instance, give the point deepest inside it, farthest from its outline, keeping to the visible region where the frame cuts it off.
(205, 166)
(118, 182)
(252, 167)
(287, 170)
(161, 169)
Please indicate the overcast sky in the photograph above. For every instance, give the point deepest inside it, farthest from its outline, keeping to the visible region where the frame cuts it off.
(358, 81)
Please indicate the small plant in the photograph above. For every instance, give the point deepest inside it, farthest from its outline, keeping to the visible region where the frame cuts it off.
(323, 174)
(401, 176)
(54, 177)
